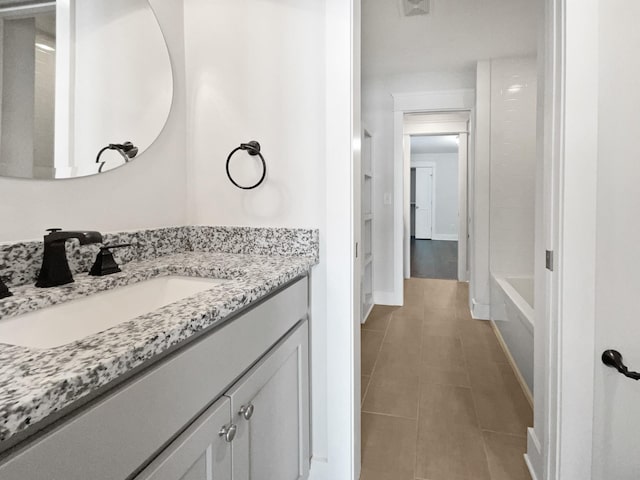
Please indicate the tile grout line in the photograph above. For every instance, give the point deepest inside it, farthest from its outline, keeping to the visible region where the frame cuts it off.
(514, 435)
(475, 407)
(375, 362)
(388, 415)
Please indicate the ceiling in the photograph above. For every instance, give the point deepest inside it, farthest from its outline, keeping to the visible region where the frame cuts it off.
(453, 36)
(434, 144)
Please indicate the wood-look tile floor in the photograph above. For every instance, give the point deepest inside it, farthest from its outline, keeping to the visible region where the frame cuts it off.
(439, 398)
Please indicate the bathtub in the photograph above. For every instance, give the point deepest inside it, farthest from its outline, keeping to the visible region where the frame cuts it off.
(512, 313)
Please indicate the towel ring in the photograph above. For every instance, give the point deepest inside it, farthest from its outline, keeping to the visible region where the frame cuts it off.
(253, 149)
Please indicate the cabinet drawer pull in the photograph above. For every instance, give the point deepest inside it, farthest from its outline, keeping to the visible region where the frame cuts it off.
(228, 432)
(246, 411)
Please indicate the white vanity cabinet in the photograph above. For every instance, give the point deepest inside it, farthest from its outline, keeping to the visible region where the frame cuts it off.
(270, 409)
(201, 453)
(257, 431)
(165, 422)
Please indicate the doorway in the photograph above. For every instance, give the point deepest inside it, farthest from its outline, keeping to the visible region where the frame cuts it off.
(434, 208)
(435, 165)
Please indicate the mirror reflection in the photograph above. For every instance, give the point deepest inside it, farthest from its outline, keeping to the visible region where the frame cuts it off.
(85, 87)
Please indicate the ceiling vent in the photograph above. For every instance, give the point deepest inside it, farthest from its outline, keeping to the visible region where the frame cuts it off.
(415, 7)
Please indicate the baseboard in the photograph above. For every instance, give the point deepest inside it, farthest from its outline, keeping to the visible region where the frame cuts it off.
(533, 457)
(512, 362)
(480, 311)
(319, 469)
(386, 298)
(530, 468)
(367, 313)
(445, 236)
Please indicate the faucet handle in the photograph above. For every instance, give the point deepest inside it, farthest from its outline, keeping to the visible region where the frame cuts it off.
(53, 230)
(4, 290)
(105, 264)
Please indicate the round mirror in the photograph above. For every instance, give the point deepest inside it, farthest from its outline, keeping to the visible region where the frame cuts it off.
(85, 87)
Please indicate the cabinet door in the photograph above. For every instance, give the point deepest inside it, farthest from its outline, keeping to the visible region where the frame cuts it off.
(200, 453)
(270, 405)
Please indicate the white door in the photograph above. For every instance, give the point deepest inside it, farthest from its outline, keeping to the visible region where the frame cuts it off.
(424, 203)
(594, 129)
(616, 413)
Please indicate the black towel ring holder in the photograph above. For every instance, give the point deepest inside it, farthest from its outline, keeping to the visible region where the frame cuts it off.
(253, 149)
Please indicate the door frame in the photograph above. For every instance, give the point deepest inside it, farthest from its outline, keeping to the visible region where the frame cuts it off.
(428, 103)
(565, 358)
(432, 166)
(444, 127)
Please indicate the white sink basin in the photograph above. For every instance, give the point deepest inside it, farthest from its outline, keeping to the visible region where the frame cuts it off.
(67, 322)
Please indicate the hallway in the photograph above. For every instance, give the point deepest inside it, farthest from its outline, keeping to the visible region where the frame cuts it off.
(434, 259)
(440, 400)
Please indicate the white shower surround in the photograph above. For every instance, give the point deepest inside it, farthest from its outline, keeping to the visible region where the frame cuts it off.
(513, 89)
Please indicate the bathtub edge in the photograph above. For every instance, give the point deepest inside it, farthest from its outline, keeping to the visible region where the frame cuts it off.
(512, 364)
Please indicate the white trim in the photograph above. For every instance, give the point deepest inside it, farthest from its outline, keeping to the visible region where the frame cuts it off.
(406, 204)
(453, 101)
(533, 458)
(570, 155)
(385, 298)
(480, 311)
(463, 202)
(398, 209)
(368, 312)
(440, 101)
(411, 127)
(530, 469)
(447, 237)
(342, 130)
(422, 164)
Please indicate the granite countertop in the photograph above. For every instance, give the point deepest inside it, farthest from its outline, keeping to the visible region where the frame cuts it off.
(35, 383)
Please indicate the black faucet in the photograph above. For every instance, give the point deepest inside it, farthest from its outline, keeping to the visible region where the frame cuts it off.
(55, 268)
(4, 290)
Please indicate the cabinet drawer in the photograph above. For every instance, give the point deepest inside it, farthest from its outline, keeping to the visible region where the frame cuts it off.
(123, 429)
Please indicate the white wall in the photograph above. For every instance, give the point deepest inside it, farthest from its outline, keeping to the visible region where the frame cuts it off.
(513, 165)
(479, 289)
(251, 77)
(446, 192)
(377, 117)
(256, 71)
(149, 192)
(287, 75)
(503, 175)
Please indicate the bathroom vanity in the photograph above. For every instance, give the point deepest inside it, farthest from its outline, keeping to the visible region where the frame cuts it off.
(214, 384)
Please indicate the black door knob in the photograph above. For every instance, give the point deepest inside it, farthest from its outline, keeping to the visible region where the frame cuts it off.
(613, 359)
